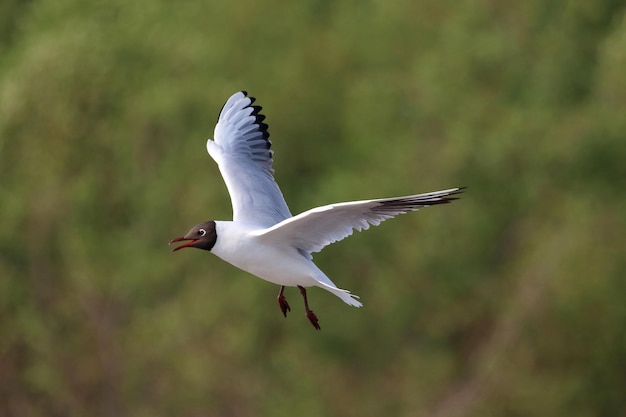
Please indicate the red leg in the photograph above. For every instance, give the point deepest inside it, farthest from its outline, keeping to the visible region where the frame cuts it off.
(309, 313)
(282, 302)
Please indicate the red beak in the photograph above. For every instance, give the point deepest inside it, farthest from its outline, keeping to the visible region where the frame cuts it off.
(184, 245)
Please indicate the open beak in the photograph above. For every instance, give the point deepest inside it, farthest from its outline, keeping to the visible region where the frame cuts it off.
(184, 245)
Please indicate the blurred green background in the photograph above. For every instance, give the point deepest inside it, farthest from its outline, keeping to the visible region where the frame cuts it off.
(509, 302)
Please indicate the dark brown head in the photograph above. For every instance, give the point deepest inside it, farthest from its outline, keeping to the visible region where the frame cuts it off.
(202, 236)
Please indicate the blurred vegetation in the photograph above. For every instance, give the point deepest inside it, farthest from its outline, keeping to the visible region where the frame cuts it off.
(507, 302)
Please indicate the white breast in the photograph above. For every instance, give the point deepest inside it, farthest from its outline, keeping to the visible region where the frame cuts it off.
(280, 264)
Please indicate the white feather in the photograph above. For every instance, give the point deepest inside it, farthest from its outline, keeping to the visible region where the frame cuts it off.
(314, 229)
(241, 150)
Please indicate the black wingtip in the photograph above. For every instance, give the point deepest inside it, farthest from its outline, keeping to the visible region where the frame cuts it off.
(259, 118)
(449, 198)
(256, 112)
(459, 190)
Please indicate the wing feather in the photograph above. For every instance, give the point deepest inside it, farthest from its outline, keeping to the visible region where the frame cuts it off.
(241, 148)
(316, 228)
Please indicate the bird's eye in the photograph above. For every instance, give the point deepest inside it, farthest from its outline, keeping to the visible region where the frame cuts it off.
(202, 232)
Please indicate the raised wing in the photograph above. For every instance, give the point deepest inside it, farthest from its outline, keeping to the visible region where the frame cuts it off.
(241, 148)
(316, 228)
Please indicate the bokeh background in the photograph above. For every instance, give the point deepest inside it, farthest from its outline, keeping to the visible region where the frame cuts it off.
(509, 302)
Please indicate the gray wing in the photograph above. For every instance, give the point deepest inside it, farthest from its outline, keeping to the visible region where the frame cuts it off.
(316, 228)
(241, 148)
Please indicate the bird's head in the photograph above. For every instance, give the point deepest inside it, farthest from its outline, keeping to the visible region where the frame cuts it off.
(202, 236)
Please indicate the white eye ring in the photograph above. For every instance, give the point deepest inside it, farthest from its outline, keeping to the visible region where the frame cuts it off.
(202, 232)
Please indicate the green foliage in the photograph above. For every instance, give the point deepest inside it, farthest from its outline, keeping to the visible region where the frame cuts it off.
(507, 302)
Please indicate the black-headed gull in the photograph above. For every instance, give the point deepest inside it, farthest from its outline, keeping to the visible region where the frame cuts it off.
(263, 238)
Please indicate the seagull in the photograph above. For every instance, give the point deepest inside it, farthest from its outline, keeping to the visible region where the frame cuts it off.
(263, 238)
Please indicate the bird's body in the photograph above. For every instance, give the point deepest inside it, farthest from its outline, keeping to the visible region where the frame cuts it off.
(248, 248)
(263, 238)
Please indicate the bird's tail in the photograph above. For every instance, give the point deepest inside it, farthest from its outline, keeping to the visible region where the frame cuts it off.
(345, 295)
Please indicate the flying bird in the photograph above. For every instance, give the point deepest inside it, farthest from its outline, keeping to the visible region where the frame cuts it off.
(263, 238)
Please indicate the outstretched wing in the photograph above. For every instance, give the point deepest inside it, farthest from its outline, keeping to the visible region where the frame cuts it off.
(241, 148)
(316, 228)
